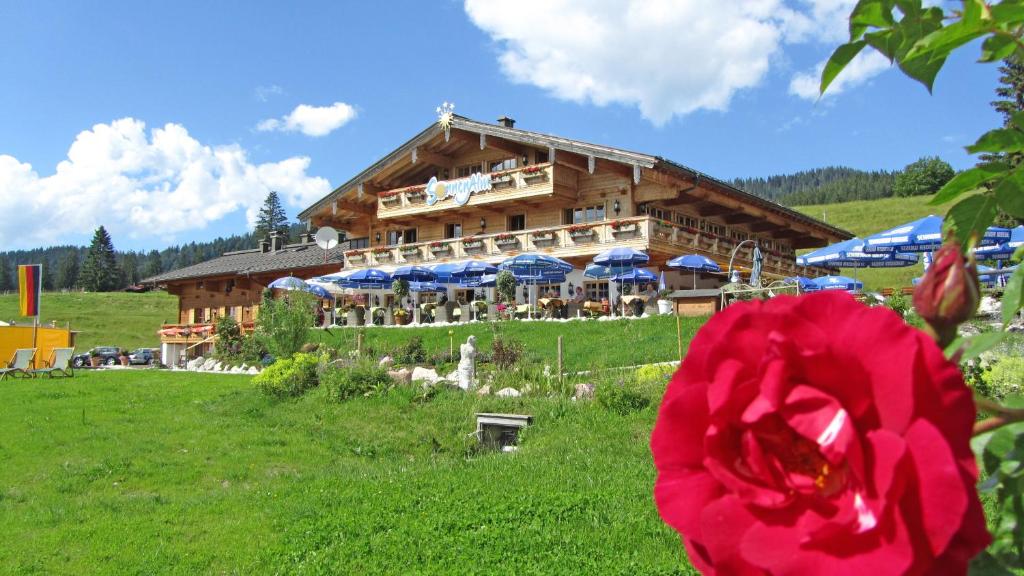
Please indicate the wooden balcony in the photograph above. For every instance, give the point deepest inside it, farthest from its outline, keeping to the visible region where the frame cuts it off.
(539, 180)
(193, 333)
(660, 239)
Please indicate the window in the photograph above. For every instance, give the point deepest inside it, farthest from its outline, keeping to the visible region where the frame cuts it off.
(355, 243)
(468, 170)
(453, 230)
(596, 291)
(541, 157)
(396, 237)
(506, 164)
(545, 289)
(516, 222)
(585, 214)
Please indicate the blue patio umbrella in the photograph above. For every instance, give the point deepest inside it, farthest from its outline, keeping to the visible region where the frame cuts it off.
(694, 263)
(483, 281)
(369, 278)
(289, 283)
(621, 256)
(472, 268)
(529, 263)
(850, 254)
(923, 235)
(599, 272)
(542, 279)
(427, 287)
(1004, 250)
(320, 292)
(444, 272)
(636, 276)
(414, 274)
(837, 283)
(805, 284)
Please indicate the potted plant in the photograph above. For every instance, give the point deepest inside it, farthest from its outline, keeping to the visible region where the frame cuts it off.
(382, 253)
(355, 255)
(401, 316)
(501, 179)
(410, 251)
(95, 359)
(543, 236)
(581, 231)
(124, 358)
(535, 172)
(506, 239)
(416, 194)
(664, 304)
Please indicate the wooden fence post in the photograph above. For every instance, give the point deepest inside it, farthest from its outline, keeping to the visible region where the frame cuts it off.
(559, 359)
(679, 336)
(359, 344)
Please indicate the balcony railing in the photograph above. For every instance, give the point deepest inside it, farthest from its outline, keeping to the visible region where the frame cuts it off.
(537, 179)
(195, 331)
(642, 233)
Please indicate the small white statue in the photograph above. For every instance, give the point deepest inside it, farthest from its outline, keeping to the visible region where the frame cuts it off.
(467, 364)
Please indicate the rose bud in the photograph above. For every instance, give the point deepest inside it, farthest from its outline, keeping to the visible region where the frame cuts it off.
(948, 294)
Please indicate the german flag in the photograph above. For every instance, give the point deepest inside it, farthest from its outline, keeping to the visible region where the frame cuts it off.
(30, 288)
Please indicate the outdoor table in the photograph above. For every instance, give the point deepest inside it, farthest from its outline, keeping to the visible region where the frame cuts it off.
(551, 305)
(593, 306)
(627, 300)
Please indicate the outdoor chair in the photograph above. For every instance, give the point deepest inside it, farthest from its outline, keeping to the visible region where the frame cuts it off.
(466, 313)
(388, 317)
(18, 367)
(907, 290)
(571, 310)
(443, 313)
(59, 364)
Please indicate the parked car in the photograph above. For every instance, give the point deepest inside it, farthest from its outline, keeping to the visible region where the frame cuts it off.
(145, 356)
(109, 356)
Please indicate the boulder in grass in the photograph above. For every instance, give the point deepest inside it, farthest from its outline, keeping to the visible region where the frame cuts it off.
(508, 393)
(484, 391)
(195, 363)
(425, 374)
(386, 362)
(584, 392)
(402, 375)
(236, 369)
(253, 370)
(209, 364)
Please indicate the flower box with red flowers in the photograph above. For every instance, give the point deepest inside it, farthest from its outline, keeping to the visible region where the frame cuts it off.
(534, 172)
(543, 236)
(581, 231)
(623, 226)
(501, 179)
(472, 243)
(380, 253)
(390, 197)
(410, 251)
(438, 247)
(662, 229)
(506, 239)
(355, 255)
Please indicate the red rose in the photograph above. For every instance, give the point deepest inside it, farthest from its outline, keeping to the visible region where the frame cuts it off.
(816, 435)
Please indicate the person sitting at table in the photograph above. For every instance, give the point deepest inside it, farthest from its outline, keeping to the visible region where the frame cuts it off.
(651, 292)
(443, 300)
(579, 296)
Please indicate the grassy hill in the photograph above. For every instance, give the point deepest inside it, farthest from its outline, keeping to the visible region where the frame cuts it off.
(148, 472)
(103, 319)
(867, 217)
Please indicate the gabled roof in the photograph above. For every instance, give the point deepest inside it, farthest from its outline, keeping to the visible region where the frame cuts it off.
(568, 145)
(290, 259)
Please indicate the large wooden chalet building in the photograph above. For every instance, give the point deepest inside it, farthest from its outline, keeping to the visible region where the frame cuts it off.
(463, 189)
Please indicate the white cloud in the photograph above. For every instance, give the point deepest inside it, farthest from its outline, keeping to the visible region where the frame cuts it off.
(666, 57)
(862, 68)
(311, 120)
(155, 186)
(264, 93)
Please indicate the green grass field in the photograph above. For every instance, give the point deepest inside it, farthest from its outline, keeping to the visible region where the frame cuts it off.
(147, 472)
(586, 344)
(867, 217)
(103, 319)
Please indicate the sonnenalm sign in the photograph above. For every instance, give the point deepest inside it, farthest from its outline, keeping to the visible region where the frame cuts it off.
(459, 189)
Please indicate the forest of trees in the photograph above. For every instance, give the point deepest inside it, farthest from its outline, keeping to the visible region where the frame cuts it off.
(821, 186)
(62, 265)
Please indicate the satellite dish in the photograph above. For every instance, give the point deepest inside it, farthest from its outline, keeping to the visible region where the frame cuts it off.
(326, 237)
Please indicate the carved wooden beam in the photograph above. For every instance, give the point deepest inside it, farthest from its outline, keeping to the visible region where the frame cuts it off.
(357, 208)
(739, 218)
(710, 209)
(433, 158)
(765, 226)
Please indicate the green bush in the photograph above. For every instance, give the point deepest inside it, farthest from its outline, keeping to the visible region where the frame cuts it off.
(620, 399)
(362, 379)
(412, 352)
(897, 303)
(282, 326)
(289, 377)
(229, 339)
(1005, 377)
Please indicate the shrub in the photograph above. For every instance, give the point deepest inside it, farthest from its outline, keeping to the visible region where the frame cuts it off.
(620, 399)
(411, 353)
(1005, 377)
(362, 379)
(505, 283)
(401, 288)
(506, 352)
(898, 304)
(282, 325)
(289, 377)
(229, 338)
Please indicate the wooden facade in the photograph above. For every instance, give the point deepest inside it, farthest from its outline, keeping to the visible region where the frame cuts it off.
(553, 195)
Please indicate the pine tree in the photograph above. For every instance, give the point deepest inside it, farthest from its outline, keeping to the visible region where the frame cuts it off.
(272, 217)
(67, 271)
(154, 265)
(1011, 94)
(99, 271)
(6, 282)
(129, 268)
(49, 279)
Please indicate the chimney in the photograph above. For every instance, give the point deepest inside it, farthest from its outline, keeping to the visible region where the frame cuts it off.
(507, 122)
(308, 238)
(265, 245)
(276, 241)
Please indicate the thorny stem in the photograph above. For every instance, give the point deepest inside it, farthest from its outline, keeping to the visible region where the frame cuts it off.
(1001, 416)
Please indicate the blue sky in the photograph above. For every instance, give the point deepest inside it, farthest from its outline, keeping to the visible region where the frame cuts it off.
(163, 101)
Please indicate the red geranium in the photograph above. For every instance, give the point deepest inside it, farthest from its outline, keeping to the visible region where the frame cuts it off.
(816, 435)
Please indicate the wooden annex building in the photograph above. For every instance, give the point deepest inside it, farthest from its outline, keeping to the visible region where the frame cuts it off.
(463, 189)
(232, 285)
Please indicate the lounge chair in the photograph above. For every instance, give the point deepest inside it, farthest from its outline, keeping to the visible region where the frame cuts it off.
(19, 364)
(59, 363)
